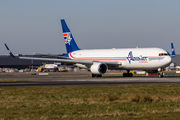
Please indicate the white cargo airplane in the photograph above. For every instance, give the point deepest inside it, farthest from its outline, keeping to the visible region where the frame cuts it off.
(98, 61)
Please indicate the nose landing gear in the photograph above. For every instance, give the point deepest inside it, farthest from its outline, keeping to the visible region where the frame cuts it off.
(160, 73)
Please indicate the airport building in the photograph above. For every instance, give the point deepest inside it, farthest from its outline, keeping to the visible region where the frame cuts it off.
(176, 60)
(7, 61)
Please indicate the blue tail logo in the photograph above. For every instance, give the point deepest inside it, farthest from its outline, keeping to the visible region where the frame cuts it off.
(173, 50)
(68, 38)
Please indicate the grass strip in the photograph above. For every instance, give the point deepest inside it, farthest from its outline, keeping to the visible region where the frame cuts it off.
(154, 101)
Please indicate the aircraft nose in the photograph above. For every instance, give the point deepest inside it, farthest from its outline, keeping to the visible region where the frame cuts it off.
(169, 60)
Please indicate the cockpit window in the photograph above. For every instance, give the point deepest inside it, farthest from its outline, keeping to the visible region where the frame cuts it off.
(164, 54)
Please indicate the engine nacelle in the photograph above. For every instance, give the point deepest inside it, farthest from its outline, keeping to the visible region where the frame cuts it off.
(98, 68)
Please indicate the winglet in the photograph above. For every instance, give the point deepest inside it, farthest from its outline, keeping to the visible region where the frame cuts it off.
(11, 54)
(173, 50)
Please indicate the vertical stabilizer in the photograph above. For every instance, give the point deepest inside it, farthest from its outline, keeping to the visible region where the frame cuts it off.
(68, 38)
(173, 50)
(10, 53)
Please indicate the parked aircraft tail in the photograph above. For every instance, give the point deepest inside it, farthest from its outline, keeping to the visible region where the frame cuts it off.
(173, 50)
(10, 53)
(68, 38)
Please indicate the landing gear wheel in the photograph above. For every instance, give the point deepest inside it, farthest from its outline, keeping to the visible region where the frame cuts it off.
(130, 75)
(160, 74)
(127, 75)
(93, 75)
(99, 75)
(124, 74)
(96, 75)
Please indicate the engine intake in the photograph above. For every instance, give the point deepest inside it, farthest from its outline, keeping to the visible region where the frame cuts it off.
(98, 68)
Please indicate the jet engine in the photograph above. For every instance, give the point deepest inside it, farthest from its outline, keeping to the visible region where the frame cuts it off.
(98, 68)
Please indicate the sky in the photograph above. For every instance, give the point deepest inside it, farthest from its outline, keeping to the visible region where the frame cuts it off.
(34, 26)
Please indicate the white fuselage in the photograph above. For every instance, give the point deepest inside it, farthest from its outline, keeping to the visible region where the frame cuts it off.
(129, 59)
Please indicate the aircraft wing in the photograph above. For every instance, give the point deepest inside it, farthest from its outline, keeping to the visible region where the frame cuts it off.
(57, 60)
(49, 55)
(86, 62)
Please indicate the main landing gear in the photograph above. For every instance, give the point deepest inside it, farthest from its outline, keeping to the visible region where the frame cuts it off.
(96, 75)
(127, 74)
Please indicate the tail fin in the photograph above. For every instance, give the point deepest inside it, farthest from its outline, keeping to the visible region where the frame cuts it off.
(173, 50)
(11, 54)
(68, 38)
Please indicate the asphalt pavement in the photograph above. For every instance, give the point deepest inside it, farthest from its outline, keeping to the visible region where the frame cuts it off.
(79, 78)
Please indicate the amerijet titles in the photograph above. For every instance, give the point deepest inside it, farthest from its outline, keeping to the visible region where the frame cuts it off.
(131, 58)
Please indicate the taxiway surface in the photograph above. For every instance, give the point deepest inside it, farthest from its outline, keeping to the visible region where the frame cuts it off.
(69, 79)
